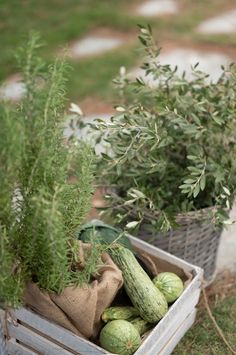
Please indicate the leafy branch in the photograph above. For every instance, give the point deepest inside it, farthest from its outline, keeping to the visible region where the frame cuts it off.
(41, 209)
(196, 181)
(172, 140)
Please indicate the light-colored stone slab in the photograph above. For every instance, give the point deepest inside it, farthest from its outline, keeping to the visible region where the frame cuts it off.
(12, 89)
(225, 23)
(93, 45)
(154, 8)
(227, 250)
(209, 63)
(84, 132)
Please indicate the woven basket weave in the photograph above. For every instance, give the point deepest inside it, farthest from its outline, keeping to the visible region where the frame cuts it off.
(196, 240)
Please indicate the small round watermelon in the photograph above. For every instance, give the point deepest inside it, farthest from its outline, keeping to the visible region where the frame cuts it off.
(120, 337)
(170, 285)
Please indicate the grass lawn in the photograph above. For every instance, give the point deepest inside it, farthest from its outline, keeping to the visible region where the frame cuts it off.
(202, 339)
(61, 22)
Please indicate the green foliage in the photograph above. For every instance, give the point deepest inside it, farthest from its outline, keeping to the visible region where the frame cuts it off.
(172, 141)
(40, 208)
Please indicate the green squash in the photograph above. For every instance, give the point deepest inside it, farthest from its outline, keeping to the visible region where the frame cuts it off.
(145, 297)
(122, 312)
(170, 285)
(120, 337)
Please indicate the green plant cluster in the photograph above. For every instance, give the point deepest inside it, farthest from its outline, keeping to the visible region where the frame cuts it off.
(172, 142)
(40, 208)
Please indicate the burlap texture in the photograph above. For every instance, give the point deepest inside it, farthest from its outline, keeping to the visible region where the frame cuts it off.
(79, 309)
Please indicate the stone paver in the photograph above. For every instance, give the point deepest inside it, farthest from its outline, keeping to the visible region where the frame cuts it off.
(225, 23)
(227, 251)
(93, 45)
(210, 63)
(13, 89)
(154, 8)
(85, 133)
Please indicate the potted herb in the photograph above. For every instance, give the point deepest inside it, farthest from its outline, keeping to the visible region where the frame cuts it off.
(172, 156)
(42, 263)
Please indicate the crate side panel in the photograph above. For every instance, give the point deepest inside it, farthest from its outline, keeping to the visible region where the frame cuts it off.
(2, 320)
(58, 333)
(14, 348)
(187, 300)
(2, 337)
(160, 334)
(173, 342)
(35, 341)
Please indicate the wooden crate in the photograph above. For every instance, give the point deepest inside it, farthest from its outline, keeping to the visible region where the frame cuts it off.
(29, 333)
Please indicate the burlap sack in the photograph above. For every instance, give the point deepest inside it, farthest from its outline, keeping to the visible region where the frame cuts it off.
(79, 309)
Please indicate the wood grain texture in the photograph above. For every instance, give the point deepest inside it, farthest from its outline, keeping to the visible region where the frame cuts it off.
(2, 338)
(175, 339)
(35, 341)
(50, 339)
(15, 348)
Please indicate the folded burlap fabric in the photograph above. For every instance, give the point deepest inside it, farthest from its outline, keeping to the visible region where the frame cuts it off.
(79, 309)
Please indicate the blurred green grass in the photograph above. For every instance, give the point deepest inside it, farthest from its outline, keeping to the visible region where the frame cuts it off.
(203, 339)
(61, 22)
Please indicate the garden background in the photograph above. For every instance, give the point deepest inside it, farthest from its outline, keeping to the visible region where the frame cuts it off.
(99, 37)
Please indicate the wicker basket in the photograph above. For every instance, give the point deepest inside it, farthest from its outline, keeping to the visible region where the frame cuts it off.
(196, 240)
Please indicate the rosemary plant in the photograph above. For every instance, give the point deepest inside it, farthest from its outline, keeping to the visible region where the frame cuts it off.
(40, 208)
(172, 142)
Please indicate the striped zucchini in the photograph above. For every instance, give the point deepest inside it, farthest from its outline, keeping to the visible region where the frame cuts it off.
(141, 325)
(113, 313)
(145, 297)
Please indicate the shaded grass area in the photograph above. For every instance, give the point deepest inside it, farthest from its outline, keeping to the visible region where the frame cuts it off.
(203, 338)
(60, 22)
(93, 76)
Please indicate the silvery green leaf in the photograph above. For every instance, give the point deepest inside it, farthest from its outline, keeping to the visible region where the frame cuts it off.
(226, 190)
(120, 109)
(227, 204)
(191, 157)
(129, 202)
(76, 109)
(138, 193)
(203, 182)
(189, 181)
(196, 191)
(132, 225)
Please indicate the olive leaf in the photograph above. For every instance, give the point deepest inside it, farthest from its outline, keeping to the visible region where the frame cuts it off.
(174, 143)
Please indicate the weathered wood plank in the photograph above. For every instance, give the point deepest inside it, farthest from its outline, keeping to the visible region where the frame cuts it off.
(60, 334)
(175, 339)
(35, 341)
(2, 337)
(2, 319)
(159, 336)
(14, 348)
